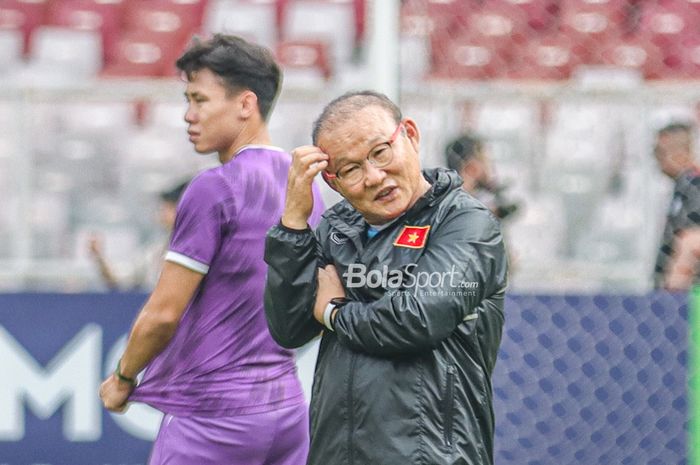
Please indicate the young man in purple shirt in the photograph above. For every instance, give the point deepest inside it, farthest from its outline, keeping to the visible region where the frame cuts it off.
(230, 394)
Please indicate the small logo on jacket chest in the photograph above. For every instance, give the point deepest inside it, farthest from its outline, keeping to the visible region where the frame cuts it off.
(338, 239)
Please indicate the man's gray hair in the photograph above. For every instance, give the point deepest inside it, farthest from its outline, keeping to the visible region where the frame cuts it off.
(345, 106)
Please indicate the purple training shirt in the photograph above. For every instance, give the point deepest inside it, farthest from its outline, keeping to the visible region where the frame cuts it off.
(222, 360)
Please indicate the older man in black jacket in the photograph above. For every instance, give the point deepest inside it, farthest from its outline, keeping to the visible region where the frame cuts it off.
(405, 278)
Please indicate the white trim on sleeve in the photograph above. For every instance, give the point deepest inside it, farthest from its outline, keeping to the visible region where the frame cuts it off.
(187, 262)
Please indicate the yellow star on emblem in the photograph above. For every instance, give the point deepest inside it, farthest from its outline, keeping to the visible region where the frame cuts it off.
(413, 237)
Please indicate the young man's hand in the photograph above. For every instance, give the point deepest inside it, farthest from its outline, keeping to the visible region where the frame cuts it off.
(114, 393)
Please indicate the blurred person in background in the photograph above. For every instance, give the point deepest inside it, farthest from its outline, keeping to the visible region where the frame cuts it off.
(676, 265)
(404, 366)
(467, 156)
(146, 270)
(230, 394)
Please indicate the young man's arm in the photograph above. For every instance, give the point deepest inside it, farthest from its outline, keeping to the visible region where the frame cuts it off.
(152, 331)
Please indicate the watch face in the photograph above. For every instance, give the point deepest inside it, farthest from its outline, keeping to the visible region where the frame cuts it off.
(339, 301)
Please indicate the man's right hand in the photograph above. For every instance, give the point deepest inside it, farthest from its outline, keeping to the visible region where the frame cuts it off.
(307, 162)
(115, 393)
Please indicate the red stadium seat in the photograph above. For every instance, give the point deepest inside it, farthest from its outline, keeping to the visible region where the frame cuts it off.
(692, 4)
(451, 16)
(594, 22)
(90, 15)
(634, 52)
(304, 60)
(500, 21)
(472, 40)
(22, 15)
(145, 54)
(552, 56)
(170, 17)
(424, 17)
(541, 14)
(683, 59)
(470, 57)
(667, 22)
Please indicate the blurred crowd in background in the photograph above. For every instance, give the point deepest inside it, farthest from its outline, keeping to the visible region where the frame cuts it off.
(562, 97)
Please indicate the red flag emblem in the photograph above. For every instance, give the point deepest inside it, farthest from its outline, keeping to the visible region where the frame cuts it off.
(413, 237)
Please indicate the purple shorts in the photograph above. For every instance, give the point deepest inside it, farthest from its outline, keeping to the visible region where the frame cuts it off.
(279, 437)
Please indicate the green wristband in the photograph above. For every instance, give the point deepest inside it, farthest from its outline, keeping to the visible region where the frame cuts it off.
(123, 378)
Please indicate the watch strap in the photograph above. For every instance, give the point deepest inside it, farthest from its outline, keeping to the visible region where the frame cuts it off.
(327, 313)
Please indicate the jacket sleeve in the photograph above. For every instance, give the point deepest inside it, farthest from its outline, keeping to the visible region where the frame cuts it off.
(290, 290)
(463, 265)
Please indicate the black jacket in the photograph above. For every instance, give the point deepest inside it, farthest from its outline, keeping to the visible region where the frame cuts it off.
(406, 376)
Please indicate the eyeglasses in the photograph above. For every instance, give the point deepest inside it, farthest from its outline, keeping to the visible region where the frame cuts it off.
(380, 156)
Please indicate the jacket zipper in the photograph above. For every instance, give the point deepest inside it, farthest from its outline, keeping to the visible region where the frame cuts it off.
(449, 405)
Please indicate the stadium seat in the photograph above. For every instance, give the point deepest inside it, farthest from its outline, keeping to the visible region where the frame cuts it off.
(499, 21)
(667, 22)
(424, 17)
(144, 54)
(449, 16)
(170, 17)
(23, 15)
(492, 18)
(552, 56)
(692, 4)
(304, 62)
(541, 15)
(67, 51)
(594, 22)
(90, 15)
(489, 33)
(469, 57)
(250, 19)
(425, 26)
(330, 21)
(633, 52)
(682, 60)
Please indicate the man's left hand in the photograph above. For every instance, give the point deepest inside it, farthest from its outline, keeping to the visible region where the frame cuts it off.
(114, 394)
(329, 287)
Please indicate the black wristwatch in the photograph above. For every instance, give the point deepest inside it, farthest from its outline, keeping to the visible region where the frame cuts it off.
(334, 304)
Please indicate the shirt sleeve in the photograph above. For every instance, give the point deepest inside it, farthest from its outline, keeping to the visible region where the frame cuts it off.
(205, 215)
